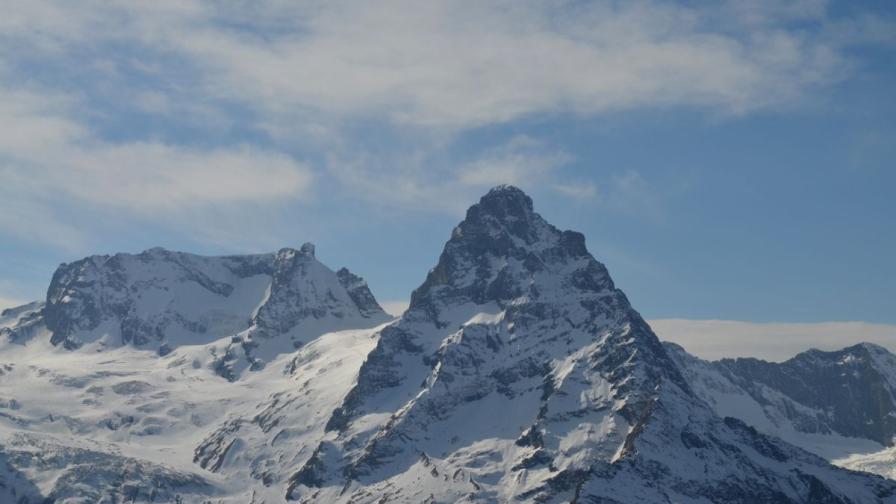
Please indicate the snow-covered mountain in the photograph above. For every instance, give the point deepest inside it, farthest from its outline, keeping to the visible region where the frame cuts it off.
(161, 300)
(840, 405)
(107, 387)
(519, 373)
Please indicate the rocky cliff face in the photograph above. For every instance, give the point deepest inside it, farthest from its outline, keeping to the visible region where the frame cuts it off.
(841, 395)
(852, 391)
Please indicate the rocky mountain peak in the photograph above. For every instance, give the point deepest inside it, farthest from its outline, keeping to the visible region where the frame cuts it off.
(307, 249)
(504, 213)
(504, 250)
(516, 312)
(504, 202)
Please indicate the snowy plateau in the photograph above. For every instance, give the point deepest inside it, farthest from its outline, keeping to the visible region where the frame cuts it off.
(520, 373)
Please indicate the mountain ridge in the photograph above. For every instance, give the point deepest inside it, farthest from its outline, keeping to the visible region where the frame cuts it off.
(519, 373)
(837, 404)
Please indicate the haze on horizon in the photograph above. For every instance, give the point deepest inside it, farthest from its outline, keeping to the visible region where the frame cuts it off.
(731, 162)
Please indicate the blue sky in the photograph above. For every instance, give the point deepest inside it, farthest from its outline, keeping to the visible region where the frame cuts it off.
(732, 161)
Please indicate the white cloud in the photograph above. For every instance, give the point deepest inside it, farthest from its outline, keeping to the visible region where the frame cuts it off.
(582, 190)
(49, 162)
(423, 179)
(457, 65)
(715, 339)
(522, 160)
(152, 177)
(308, 73)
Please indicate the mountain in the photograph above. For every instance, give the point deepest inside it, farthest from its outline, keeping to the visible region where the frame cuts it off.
(519, 373)
(107, 387)
(840, 405)
(161, 300)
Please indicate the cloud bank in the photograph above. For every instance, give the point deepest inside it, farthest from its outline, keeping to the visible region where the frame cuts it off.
(716, 339)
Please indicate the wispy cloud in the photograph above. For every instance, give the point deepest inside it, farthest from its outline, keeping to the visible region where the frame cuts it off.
(435, 64)
(422, 179)
(303, 77)
(522, 160)
(715, 339)
(582, 190)
(48, 161)
(444, 64)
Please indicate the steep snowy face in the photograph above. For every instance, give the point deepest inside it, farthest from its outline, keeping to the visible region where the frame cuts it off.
(162, 299)
(849, 393)
(302, 289)
(516, 351)
(504, 251)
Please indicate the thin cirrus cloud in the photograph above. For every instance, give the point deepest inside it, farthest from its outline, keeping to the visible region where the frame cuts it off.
(419, 181)
(49, 161)
(459, 65)
(305, 73)
(433, 64)
(520, 160)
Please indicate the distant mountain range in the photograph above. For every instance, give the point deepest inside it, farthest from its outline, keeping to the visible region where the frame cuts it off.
(519, 373)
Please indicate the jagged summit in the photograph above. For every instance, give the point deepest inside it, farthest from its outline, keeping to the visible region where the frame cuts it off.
(307, 249)
(161, 298)
(505, 211)
(503, 250)
(504, 202)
